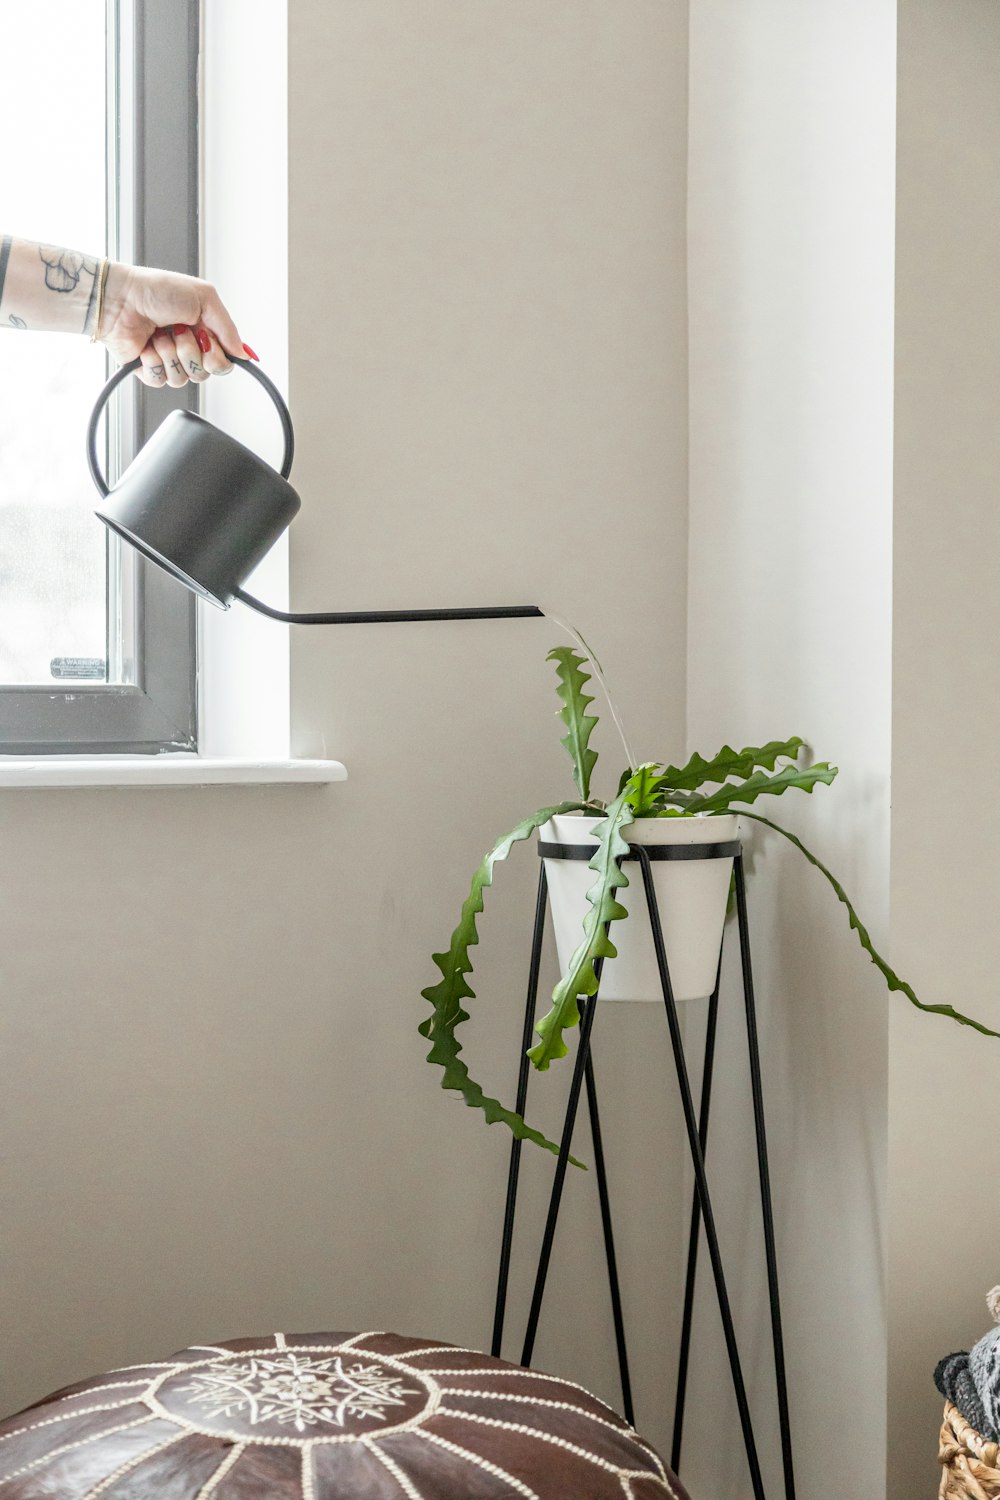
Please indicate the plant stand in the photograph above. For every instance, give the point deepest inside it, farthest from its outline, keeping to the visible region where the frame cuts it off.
(697, 1133)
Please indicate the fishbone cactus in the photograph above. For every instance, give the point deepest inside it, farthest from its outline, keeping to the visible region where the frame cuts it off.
(727, 781)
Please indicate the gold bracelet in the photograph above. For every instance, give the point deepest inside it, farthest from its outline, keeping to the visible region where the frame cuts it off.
(102, 276)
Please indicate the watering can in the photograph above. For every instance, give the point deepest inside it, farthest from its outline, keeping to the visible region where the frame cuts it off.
(207, 510)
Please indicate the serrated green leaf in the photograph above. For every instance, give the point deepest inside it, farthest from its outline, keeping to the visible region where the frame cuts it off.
(643, 789)
(729, 762)
(580, 978)
(892, 980)
(760, 784)
(447, 995)
(579, 724)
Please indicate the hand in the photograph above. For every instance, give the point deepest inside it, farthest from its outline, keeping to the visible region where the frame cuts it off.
(177, 325)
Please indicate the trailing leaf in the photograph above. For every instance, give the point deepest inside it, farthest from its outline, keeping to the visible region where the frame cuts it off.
(760, 784)
(580, 978)
(447, 995)
(893, 981)
(729, 762)
(579, 724)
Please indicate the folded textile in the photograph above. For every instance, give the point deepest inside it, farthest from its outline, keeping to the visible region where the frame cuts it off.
(953, 1378)
(984, 1364)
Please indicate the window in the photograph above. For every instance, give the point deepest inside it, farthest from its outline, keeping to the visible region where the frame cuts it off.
(97, 652)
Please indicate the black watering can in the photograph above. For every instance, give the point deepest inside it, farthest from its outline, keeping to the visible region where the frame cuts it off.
(207, 510)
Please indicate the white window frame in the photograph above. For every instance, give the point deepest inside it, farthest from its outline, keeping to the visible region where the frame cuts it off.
(153, 181)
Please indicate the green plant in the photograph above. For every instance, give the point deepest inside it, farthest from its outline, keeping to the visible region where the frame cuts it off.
(728, 780)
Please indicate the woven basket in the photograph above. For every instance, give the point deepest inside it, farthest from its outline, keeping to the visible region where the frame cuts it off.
(969, 1464)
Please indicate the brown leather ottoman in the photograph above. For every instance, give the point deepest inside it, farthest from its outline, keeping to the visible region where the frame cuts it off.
(326, 1416)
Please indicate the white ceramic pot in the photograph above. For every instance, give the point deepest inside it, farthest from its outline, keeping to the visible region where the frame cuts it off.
(691, 896)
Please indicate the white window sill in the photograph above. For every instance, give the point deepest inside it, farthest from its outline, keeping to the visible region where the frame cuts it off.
(162, 770)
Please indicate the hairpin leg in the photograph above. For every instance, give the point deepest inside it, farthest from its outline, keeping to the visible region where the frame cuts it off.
(765, 1183)
(695, 1230)
(514, 1169)
(609, 1238)
(587, 1019)
(701, 1180)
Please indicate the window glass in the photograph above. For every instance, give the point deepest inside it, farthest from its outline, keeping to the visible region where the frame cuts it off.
(53, 554)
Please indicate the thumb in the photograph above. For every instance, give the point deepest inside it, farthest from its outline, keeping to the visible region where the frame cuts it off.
(216, 319)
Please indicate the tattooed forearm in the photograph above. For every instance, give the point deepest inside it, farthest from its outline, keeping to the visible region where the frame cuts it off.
(47, 288)
(63, 270)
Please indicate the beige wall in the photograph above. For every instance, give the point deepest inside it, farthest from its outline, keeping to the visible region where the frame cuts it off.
(944, 1082)
(489, 375)
(790, 273)
(217, 1117)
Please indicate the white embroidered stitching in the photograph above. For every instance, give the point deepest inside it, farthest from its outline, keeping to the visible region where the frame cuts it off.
(431, 1349)
(481, 1463)
(150, 1364)
(279, 1341)
(433, 1397)
(219, 1474)
(622, 1429)
(650, 1479)
(405, 1484)
(558, 1442)
(132, 1463)
(290, 1387)
(356, 1339)
(308, 1492)
(546, 1437)
(515, 1370)
(658, 1461)
(111, 1385)
(95, 1437)
(75, 1411)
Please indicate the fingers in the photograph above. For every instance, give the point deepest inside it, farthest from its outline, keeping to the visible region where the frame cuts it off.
(178, 354)
(153, 372)
(213, 356)
(189, 353)
(163, 343)
(182, 317)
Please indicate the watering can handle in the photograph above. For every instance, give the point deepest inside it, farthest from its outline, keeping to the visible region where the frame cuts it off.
(119, 376)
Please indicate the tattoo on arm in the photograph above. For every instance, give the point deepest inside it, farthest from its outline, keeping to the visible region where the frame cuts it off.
(5, 245)
(16, 322)
(63, 269)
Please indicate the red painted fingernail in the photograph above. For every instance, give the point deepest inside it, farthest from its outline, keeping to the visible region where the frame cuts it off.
(181, 328)
(204, 342)
(251, 354)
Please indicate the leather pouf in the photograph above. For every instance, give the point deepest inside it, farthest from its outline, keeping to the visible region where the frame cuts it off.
(326, 1416)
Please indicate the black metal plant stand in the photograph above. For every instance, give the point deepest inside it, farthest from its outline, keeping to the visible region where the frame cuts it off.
(697, 1133)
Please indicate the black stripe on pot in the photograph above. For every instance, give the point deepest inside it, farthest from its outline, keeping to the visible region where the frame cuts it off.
(727, 850)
